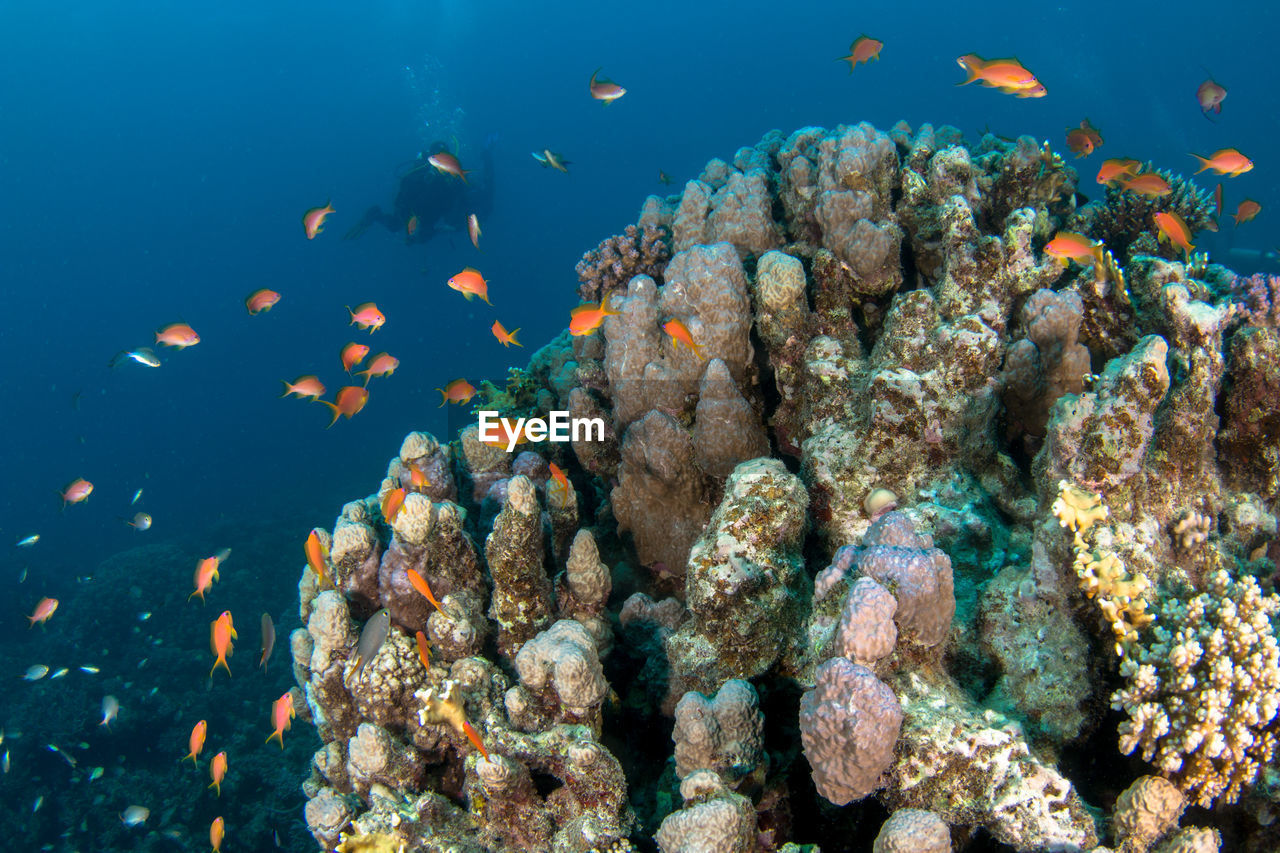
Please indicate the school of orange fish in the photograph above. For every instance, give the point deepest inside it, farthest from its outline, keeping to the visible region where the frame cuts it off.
(1007, 75)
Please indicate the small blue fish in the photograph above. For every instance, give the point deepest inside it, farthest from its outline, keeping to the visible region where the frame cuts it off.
(28, 541)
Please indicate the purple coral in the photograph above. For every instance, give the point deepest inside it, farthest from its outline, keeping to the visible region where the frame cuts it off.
(1258, 299)
(849, 723)
(609, 266)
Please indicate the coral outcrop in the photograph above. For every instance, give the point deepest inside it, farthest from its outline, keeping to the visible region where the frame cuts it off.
(886, 498)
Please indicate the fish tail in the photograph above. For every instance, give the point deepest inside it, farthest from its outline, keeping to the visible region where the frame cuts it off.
(217, 786)
(275, 736)
(444, 397)
(288, 389)
(336, 413)
(512, 338)
(1204, 163)
(223, 662)
(198, 592)
(192, 756)
(352, 313)
(32, 622)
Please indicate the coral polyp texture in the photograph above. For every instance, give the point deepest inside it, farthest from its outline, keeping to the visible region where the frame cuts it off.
(929, 542)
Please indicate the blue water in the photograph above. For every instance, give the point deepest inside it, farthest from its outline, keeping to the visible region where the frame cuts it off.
(156, 159)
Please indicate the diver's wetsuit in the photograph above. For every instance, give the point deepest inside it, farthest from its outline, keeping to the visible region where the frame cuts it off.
(437, 199)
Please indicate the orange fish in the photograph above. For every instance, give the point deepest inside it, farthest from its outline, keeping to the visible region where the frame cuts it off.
(509, 432)
(178, 335)
(353, 354)
(1116, 169)
(1247, 210)
(458, 391)
(351, 399)
(1083, 140)
(504, 337)
(1175, 230)
(261, 300)
(470, 283)
(1149, 184)
(424, 650)
(447, 163)
(281, 714)
(76, 491)
(1225, 161)
(196, 741)
(475, 739)
(221, 633)
(217, 772)
(367, 316)
(217, 831)
(382, 365)
(1210, 95)
(392, 501)
(313, 219)
(420, 584)
(605, 90)
(680, 335)
(417, 479)
(1008, 75)
(42, 612)
(1067, 246)
(558, 477)
(206, 574)
(304, 386)
(317, 557)
(473, 230)
(585, 319)
(411, 227)
(863, 49)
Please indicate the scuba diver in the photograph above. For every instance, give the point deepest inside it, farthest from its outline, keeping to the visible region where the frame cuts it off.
(429, 201)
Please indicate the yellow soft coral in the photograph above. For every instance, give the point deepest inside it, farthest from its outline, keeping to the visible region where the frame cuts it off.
(1078, 509)
(1102, 574)
(373, 842)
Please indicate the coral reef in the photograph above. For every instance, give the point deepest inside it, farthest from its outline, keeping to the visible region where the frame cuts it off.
(916, 508)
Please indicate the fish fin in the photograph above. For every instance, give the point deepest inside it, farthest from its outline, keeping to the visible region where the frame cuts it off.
(512, 338)
(336, 413)
(276, 736)
(1204, 163)
(288, 389)
(444, 398)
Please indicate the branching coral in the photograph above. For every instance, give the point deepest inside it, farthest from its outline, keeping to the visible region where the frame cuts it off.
(609, 266)
(1204, 689)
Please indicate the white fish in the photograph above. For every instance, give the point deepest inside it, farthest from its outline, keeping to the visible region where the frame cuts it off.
(37, 672)
(5, 763)
(95, 773)
(61, 672)
(135, 815)
(28, 541)
(92, 670)
(137, 496)
(38, 803)
(110, 708)
(53, 747)
(141, 521)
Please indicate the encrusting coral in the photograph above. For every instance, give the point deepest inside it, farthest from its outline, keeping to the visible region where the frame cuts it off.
(826, 542)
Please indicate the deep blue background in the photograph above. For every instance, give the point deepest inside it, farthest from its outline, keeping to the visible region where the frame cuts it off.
(155, 160)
